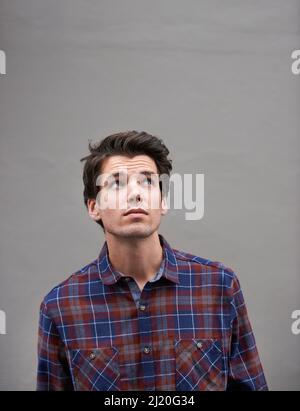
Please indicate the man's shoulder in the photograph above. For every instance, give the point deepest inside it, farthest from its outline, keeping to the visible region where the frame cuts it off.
(204, 264)
(62, 290)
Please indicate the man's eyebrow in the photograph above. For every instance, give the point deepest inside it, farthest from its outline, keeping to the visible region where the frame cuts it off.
(144, 172)
(148, 173)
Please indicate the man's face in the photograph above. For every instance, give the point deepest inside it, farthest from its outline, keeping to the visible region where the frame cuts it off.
(127, 184)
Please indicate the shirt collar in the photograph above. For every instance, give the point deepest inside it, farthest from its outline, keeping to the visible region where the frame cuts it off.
(110, 276)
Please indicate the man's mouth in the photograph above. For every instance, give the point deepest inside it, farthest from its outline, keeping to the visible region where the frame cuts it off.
(136, 211)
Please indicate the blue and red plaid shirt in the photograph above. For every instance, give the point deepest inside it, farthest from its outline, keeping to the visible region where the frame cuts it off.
(187, 330)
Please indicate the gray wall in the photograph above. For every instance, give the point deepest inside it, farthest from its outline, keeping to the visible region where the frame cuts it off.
(213, 79)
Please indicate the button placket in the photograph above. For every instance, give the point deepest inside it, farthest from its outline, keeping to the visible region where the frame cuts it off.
(144, 321)
(92, 356)
(147, 350)
(142, 307)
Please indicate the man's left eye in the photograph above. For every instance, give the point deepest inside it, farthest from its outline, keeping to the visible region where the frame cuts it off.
(148, 180)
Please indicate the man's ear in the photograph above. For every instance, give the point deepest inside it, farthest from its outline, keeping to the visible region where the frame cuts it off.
(93, 209)
(164, 206)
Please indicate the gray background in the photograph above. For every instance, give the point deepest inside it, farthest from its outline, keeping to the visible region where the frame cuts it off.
(214, 80)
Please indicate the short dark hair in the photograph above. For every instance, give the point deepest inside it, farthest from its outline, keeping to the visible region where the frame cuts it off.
(128, 143)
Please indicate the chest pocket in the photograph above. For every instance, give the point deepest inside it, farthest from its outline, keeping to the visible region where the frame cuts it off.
(95, 369)
(199, 365)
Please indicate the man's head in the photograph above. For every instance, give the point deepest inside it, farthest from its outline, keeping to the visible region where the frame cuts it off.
(127, 171)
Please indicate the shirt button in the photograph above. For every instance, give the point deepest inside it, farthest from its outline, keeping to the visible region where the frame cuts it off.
(142, 307)
(127, 279)
(92, 356)
(146, 350)
(199, 344)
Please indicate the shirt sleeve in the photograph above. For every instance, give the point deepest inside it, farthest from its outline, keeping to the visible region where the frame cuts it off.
(53, 371)
(245, 369)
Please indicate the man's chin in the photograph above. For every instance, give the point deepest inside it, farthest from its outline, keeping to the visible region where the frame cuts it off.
(132, 232)
(136, 233)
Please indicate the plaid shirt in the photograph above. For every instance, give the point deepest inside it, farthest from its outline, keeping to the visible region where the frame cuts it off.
(187, 330)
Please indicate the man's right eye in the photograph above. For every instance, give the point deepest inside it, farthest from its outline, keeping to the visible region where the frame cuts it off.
(114, 184)
(117, 183)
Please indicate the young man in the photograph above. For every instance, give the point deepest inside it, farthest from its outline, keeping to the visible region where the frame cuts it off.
(143, 316)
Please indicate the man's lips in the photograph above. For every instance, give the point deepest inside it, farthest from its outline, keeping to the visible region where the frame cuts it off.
(136, 211)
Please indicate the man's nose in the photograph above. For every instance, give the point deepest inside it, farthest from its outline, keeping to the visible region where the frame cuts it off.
(134, 192)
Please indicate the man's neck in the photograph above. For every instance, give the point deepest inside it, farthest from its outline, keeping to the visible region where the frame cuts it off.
(139, 258)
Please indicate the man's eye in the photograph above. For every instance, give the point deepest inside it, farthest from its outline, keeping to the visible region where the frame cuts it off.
(117, 183)
(148, 180)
